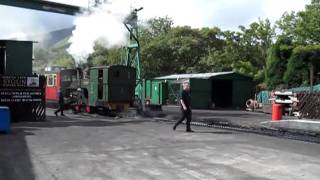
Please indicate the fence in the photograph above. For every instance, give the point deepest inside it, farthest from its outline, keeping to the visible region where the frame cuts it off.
(308, 105)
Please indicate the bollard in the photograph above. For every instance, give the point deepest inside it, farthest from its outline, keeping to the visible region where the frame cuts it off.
(276, 112)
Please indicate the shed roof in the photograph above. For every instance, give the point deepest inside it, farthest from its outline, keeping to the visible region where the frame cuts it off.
(13, 40)
(195, 76)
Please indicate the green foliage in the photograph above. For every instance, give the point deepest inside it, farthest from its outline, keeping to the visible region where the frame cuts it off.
(63, 60)
(180, 50)
(302, 59)
(297, 71)
(58, 55)
(303, 30)
(104, 56)
(308, 23)
(287, 25)
(277, 61)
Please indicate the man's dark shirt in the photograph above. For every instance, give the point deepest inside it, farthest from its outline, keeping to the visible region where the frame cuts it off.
(61, 100)
(185, 96)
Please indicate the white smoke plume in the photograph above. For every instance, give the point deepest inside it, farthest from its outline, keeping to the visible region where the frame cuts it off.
(104, 24)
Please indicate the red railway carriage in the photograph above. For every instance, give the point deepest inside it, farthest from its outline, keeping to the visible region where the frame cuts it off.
(53, 83)
(61, 78)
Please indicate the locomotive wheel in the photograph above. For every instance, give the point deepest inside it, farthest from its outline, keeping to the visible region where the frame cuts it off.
(89, 109)
(75, 109)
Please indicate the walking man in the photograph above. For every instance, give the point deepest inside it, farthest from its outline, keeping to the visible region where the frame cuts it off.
(185, 107)
(61, 103)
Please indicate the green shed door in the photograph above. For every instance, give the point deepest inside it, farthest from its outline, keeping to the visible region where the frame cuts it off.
(159, 92)
(155, 92)
(164, 93)
(148, 89)
(200, 90)
(93, 87)
(105, 81)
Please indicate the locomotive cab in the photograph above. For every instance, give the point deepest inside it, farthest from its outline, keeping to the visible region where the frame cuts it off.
(111, 87)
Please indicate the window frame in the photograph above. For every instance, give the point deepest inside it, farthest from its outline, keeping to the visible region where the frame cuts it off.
(51, 80)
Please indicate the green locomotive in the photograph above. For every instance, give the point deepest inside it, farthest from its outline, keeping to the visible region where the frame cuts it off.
(108, 88)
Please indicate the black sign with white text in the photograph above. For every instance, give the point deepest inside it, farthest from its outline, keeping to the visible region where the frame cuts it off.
(20, 89)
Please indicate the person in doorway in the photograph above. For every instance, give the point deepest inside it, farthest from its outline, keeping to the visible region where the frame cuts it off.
(61, 103)
(185, 107)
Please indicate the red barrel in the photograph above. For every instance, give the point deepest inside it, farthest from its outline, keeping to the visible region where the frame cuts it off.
(276, 112)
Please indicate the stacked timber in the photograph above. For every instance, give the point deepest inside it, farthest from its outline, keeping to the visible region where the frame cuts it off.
(288, 99)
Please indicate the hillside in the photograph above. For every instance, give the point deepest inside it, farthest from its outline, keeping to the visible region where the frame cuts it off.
(51, 50)
(48, 40)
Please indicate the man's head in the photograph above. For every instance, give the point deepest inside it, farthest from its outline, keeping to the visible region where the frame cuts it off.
(185, 85)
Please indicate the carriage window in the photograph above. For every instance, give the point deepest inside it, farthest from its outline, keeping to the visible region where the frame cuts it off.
(51, 80)
(116, 74)
(74, 78)
(66, 78)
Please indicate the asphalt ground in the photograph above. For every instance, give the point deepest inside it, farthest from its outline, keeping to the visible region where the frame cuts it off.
(249, 120)
(96, 147)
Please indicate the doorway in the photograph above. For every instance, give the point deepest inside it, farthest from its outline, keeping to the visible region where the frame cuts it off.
(222, 93)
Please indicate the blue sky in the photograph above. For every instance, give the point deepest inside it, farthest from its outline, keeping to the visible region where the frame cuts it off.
(226, 14)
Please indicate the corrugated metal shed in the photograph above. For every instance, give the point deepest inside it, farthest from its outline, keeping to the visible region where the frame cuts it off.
(194, 76)
(219, 89)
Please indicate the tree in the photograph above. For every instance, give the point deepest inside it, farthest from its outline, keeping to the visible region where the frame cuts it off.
(303, 29)
(277, 61)
(308, 24)
(287, 26)
(104, 56)
(177, 51)
(255, 42)
(58, 56)
(304, 60)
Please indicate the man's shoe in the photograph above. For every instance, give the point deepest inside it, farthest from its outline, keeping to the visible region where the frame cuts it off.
(62, 115)
(174, 128)
(189, 130)
(56, 113)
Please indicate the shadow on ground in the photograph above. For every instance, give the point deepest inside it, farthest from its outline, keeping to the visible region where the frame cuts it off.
(53, 121)
(15, 158)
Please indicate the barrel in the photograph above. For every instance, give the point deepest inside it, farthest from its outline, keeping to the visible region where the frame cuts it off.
(276, 112)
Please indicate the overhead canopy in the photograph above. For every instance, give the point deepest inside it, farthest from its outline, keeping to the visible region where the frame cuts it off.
(47, 6)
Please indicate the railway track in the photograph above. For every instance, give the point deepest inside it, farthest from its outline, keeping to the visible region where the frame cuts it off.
(280, 133)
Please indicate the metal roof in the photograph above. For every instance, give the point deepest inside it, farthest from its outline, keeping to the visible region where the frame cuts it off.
(14, 40)
(195, 76)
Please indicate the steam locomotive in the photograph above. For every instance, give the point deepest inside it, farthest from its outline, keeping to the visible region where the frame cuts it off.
(103, 88)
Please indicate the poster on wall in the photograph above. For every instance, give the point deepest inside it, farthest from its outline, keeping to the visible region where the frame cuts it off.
(32, 81)
(19, 89)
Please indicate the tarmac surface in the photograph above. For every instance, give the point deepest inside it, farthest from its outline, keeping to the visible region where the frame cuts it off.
(95, 147)
(248, 120)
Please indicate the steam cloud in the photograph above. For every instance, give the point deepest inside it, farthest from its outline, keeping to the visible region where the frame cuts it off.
(104, 24)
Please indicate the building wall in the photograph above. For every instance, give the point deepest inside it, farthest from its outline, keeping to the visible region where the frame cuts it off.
(242, 91)
(19, 58)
